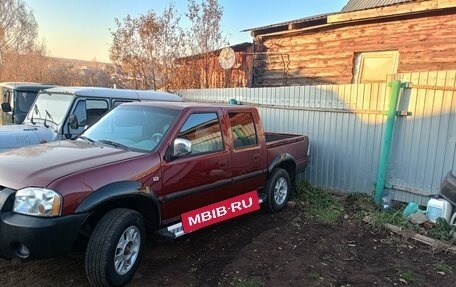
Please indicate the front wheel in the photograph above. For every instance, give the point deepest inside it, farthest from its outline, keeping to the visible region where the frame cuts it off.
(115, 247)
(278, 189)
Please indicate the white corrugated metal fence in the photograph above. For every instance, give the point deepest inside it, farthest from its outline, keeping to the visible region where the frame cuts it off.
(345, 126)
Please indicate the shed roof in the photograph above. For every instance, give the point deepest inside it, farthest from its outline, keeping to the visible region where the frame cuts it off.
(316, 20)
(300, 20)
(242, 47)
(356, 5)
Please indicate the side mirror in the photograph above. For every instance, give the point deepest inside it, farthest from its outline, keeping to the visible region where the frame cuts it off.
(181, 147)
(6, 107)
(73, 121)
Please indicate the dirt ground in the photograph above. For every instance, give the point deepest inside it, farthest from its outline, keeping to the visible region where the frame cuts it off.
(262, 249)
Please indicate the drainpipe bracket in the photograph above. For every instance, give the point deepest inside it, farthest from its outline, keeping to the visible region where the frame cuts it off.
(387, 184)
(402, 85)
(403, 113)
(405, 85)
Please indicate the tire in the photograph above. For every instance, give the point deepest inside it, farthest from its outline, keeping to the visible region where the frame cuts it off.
(278, 189)
(120, 231)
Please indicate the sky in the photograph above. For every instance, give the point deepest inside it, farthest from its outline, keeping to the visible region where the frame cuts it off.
(80, 29)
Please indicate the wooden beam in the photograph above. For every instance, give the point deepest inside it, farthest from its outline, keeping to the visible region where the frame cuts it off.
(437, 245)
(445, 4)
(430, 87)
(390, 11)
(289, 32)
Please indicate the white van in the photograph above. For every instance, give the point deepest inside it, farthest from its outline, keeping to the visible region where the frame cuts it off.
(17, 99)
(64, 112)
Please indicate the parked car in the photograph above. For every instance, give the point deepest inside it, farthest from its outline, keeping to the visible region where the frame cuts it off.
(64, 112)
(17, 100)
(143, 165)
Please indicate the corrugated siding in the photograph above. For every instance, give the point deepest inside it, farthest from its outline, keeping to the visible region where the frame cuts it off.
(345, 126)
(355, 5)
(424, 143)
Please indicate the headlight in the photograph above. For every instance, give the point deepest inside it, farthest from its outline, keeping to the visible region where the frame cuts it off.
(38, 202)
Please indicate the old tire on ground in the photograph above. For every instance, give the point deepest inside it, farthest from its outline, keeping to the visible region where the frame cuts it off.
(115, 247)
(278, 189)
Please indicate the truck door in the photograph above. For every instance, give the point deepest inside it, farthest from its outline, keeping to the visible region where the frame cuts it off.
(248, 156)
(203, 176)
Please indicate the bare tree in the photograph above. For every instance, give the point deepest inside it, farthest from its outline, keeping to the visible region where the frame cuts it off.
(163, 39)
(23, 54)
(154, 51)
(126, 52)
(205, 35)
(18, 28)
(144, 49)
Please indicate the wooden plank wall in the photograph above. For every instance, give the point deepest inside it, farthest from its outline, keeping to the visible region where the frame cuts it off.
(326, 56)
(193, 73)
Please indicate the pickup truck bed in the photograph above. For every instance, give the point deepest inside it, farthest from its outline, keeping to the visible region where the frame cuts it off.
(279, 138)
(280, 143)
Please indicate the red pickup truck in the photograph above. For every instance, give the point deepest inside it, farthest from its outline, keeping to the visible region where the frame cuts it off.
(141, 166)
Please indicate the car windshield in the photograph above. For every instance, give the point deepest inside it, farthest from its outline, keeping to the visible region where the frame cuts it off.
(25, 100)
(50, 107)
(132, 127)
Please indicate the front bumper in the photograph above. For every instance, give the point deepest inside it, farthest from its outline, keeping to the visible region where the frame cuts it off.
(42, 237)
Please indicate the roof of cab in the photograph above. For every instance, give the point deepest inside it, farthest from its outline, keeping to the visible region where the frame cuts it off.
(116, 93)
(26, 86)
(186, 105)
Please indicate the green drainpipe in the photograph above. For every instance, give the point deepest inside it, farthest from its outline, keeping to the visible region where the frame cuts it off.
(387, 138)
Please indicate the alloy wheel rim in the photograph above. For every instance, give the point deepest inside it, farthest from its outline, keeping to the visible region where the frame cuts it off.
(280, 191)
(127, 250)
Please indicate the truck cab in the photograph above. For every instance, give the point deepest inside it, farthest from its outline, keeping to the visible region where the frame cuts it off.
(64, 112)
(17, 98)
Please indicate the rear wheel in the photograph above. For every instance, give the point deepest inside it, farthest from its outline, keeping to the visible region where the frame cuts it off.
(278, 190)
(115, 248)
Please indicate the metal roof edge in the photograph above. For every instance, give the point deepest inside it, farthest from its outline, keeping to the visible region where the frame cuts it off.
(300, 20)
(356, 5)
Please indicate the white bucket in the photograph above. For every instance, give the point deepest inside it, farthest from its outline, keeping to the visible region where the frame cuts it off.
(438, 207)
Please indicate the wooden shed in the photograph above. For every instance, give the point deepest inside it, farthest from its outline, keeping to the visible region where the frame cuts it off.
(205, 71)
(363, 43)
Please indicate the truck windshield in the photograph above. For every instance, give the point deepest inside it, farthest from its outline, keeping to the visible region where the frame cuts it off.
(132, 127)
(50, 107)
(25, 100)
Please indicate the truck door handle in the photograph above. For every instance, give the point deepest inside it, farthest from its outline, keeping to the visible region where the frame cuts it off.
(222, 163)
(256, 156)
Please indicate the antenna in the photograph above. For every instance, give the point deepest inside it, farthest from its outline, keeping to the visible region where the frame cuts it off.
(227, 57)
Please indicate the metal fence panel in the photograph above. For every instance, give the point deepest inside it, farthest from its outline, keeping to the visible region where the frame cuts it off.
(424, 143)
(345, 126)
